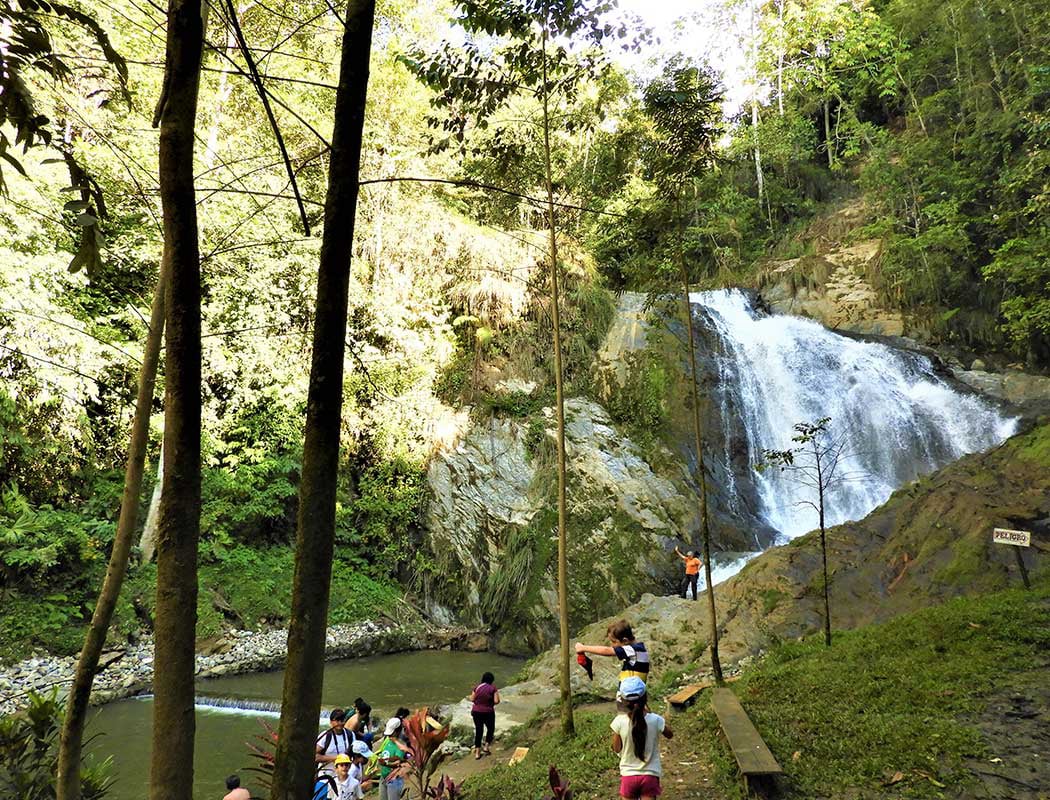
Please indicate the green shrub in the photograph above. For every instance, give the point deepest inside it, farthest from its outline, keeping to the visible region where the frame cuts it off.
(356, 596)
(249, 503)
(38, 543)
(517, 404)
(29, 750)
(377, 528)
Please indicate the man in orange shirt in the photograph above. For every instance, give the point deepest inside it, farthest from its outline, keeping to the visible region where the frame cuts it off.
(692, 570)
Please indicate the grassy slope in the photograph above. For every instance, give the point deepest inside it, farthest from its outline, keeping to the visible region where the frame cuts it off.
(888, 698)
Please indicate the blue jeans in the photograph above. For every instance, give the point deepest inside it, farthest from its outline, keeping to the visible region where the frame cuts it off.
(391, 790)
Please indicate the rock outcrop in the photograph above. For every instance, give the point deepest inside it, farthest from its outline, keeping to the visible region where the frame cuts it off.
(492, 526)
(1028, 395)
(834, 288)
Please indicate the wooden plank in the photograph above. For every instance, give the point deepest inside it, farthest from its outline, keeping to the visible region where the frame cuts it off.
(751, 753)
(518, 755)
(687, 695)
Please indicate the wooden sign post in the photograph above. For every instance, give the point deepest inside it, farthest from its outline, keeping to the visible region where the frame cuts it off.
(1017, 539)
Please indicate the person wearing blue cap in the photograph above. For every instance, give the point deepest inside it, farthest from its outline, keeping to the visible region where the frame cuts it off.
(636, 737)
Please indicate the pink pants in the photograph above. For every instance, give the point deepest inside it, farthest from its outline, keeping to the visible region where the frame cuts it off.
(634, 786)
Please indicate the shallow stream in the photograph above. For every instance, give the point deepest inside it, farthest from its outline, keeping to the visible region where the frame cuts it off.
(225, 724)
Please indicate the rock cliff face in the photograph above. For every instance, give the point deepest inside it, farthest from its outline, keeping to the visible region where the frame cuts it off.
(492, 525)
(834, 289)
(490, 528)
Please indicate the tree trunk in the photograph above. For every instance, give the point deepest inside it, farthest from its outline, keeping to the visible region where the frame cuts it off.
(827, 134)
(754, 110)
(222, 96)
(914, 101)
(823, 550)
(67, 778)
(171, 773)
(315, 535)
(148, 540)
(567, 724)
(780, 57)
(698, 442)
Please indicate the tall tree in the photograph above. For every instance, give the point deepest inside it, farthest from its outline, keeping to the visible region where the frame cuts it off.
(683, 103)
(542, 50)
(171, 773)
(315, 535)
(69, 754)
(819, 463)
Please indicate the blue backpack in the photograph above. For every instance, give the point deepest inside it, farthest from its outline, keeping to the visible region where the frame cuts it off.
(321, 786)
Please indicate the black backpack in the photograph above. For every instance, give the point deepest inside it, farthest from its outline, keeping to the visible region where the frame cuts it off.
(324, 741)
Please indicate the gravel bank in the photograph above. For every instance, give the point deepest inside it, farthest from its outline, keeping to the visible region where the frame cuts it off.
(129, 670)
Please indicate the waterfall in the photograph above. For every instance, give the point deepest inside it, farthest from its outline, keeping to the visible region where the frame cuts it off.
(238, 706)
(900, 419)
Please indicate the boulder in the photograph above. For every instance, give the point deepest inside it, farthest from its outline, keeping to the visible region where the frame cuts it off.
(491, 524)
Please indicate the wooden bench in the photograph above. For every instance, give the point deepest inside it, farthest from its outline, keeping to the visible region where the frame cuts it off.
(750, 752)
(686, 696)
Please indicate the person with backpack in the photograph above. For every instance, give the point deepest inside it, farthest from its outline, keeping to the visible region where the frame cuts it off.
(636, 737)
(485, 698)
(633, 655)
(335, 741)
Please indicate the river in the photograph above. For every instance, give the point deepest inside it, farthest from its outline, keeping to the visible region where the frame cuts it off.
(429, 677)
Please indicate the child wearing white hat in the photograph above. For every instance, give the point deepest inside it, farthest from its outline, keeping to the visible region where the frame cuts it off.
(636, 737)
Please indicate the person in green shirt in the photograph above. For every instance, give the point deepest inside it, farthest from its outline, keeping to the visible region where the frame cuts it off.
(393, 758)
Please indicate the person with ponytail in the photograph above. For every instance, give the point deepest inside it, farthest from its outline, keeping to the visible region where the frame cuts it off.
(636, 737)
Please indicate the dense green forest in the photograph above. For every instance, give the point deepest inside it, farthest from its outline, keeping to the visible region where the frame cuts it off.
(936, 113)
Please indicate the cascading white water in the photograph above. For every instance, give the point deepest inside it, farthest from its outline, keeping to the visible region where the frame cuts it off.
(899, 418)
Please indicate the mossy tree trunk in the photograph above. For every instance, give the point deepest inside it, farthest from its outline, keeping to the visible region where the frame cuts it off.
(698, 442)
(171, 773)
(315, 535)
(567, 723)
(67, 779)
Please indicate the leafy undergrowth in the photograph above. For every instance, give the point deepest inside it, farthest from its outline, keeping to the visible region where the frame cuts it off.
(883, 713)
(247, 588)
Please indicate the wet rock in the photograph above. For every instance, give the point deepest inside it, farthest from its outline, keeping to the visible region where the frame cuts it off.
(489, 491)
(1025, 393)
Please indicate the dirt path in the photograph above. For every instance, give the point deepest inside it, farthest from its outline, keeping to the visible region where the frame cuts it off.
(1016, 726)
(688, 773)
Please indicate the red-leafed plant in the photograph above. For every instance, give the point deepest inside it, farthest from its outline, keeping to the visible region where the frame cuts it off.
(446, 789)
(558, 786)
(427, 754)
(263, 753)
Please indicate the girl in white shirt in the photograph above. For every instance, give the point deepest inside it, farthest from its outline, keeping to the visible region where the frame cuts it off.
(636, 737)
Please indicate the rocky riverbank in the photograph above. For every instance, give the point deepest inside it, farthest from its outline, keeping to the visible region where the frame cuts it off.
(128, 671)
